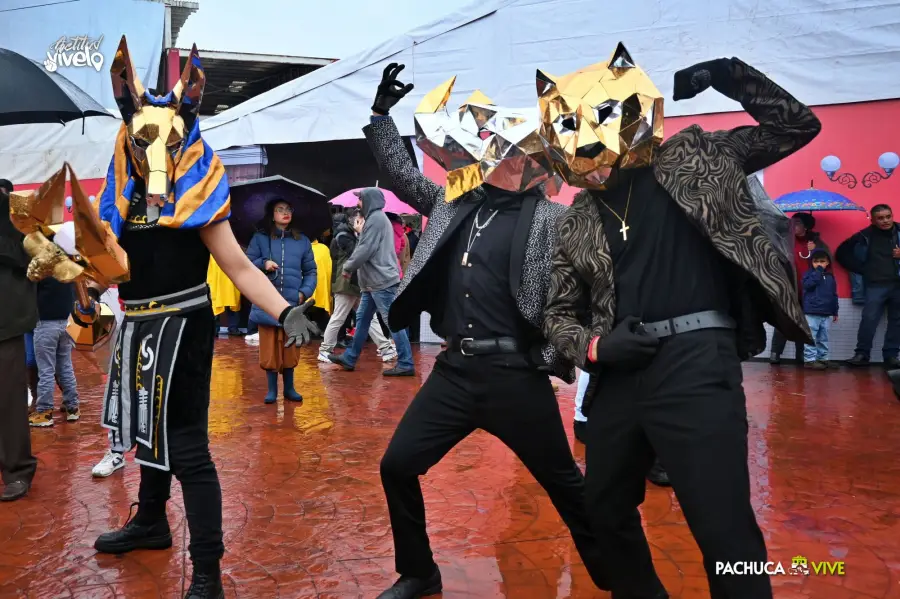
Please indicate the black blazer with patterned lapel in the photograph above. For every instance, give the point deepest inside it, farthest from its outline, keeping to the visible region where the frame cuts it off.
(706, 175)
(533, 242)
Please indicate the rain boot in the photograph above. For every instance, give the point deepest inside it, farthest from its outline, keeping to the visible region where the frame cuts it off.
(289, 393)
(272, 378)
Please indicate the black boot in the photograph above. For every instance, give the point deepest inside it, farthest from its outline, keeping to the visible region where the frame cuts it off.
(858, 359)
(580, 428)
(413, 588)
(892, 363)
(658, 476)
(206, 583)
(774, 359)
(138, 533)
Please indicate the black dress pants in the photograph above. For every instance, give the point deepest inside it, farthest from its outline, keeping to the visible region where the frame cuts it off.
(500, 395)
(688, 408)
(16, 461)
(189, 458)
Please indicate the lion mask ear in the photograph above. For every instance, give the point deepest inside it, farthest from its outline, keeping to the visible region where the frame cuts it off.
(189, 89)
(621, 60)
(545, 82)
(127, 87)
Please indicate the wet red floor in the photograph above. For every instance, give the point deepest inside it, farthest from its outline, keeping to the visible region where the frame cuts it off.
(305, 515)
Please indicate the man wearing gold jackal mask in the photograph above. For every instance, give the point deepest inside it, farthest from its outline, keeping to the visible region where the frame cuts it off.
(482, 270)
(666, 258)
(166, 200)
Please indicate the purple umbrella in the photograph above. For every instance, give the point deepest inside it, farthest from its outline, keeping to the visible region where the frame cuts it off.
(312, 214)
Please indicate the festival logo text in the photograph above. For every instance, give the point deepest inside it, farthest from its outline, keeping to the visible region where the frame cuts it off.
(75, 51)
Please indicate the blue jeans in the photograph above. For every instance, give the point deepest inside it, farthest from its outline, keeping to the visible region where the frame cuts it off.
(381, 300)
(877, 299)
(53, 352)
(29, 350)
(819, 326)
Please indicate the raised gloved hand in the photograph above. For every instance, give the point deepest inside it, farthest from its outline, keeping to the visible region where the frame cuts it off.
(691, 81)
(298, 328)
(625, 348)
(390, 91)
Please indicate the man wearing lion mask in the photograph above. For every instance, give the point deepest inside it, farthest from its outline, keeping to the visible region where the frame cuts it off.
(481, 270)
(666, 258)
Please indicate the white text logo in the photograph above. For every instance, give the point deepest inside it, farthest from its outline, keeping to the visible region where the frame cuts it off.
(75, 51)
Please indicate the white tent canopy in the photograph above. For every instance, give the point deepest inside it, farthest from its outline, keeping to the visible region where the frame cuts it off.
(824, 51)
(31, 153)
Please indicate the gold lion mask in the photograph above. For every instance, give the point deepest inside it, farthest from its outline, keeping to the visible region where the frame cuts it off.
(604, 117)
(157, 125)
(483, 143)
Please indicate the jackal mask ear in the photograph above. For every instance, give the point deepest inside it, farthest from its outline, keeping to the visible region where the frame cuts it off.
(127, 87)
(189, 89)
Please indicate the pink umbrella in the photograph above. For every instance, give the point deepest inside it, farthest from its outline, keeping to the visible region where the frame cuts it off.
(391, 202)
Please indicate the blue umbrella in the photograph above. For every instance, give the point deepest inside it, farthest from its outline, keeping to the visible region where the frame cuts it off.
(815, 200)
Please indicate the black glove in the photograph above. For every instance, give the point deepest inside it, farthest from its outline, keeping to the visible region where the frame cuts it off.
(298, 329)
(390, 91)
(691, 81)
(626, 348)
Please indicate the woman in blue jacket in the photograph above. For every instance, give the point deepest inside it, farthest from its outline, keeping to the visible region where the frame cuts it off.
(286, 256)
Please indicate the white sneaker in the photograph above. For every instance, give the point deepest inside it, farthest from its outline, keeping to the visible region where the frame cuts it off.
(111, 462)
(323, 357)
(389, 356)
(252, 339)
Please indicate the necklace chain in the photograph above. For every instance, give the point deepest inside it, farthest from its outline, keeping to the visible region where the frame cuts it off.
(625, 227)
(475, 232)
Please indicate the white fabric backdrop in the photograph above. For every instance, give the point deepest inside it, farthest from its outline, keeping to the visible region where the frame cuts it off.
(30, 153)
(824, 51)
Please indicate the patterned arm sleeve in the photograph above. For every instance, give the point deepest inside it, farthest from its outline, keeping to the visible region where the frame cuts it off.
(567, 303)
(785, 124)
(411, 185)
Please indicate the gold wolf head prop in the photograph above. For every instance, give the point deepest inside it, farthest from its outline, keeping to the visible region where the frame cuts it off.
(157, 125)
(603, 117)
(483, 143)
(39, 213)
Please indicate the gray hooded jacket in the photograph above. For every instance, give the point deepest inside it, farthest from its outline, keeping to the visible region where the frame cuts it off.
(374, 258)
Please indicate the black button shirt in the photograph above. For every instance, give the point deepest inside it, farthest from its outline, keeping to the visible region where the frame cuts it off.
(479, 303)
(666, 267)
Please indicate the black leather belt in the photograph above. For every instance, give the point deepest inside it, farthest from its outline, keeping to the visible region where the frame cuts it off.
(710, 319)
(484, 347)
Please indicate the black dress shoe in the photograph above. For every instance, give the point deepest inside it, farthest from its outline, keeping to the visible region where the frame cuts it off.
(17, 489)
(397, 371)
(858, 360)
(135, 536)
(891, 363)
(580, 428)
(658, 476)
(206, 584)
(413, 588)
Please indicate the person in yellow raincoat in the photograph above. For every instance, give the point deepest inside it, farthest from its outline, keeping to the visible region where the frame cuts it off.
(225, 296)
(322, 294)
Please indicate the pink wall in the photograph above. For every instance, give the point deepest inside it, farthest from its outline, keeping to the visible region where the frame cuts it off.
(90, 187)
(856, 133)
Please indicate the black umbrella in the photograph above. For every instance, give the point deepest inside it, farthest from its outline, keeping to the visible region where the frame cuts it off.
(312, 213)
(31, 94)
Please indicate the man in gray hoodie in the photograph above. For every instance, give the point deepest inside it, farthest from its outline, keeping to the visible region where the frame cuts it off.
(375, 263)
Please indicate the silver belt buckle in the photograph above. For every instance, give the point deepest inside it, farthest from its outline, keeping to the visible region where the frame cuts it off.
(461, 350)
